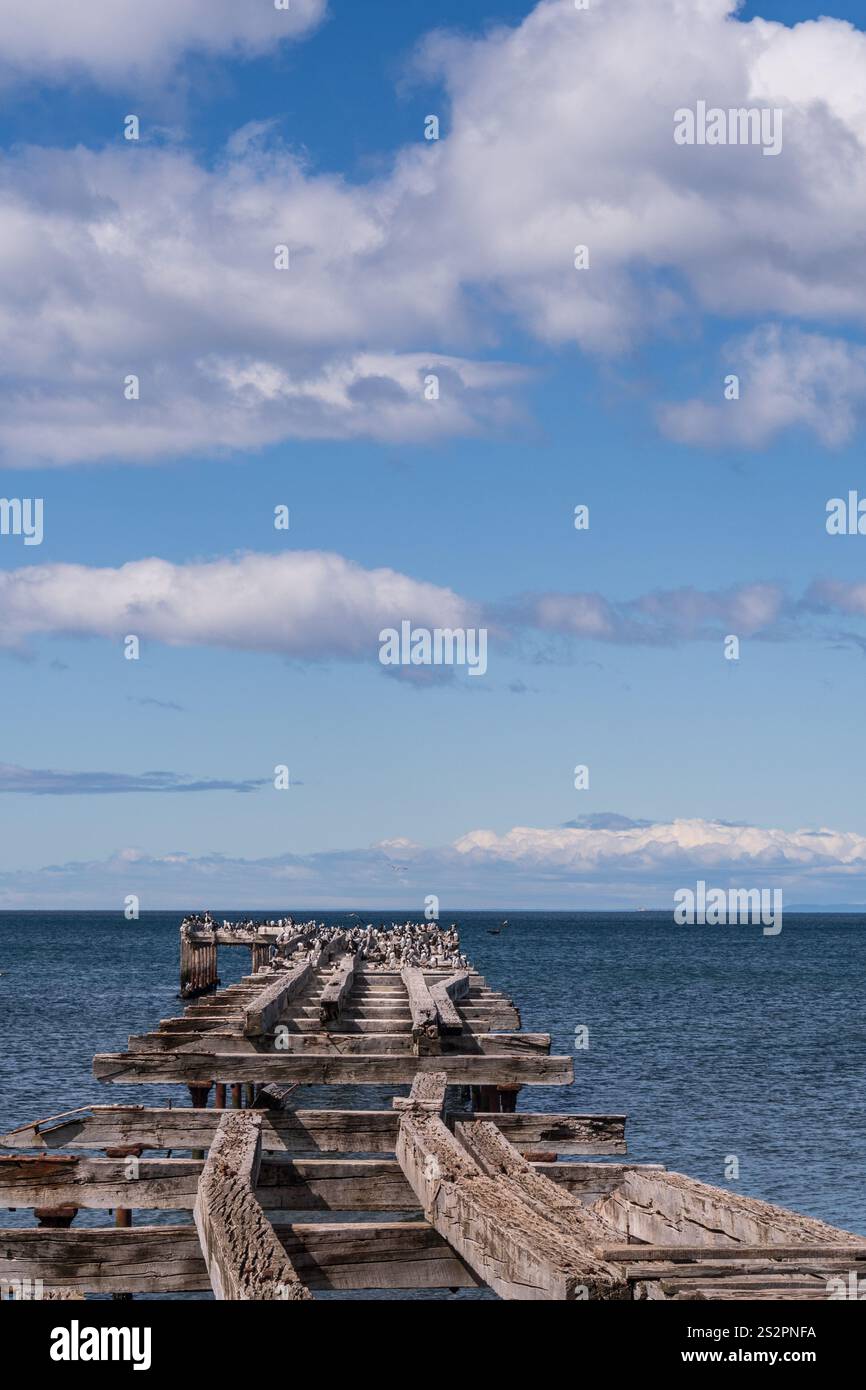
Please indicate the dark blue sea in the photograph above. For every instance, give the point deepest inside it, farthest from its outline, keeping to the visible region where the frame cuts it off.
(715, 1041)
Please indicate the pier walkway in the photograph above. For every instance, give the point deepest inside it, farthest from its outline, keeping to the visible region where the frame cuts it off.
(263, 1193)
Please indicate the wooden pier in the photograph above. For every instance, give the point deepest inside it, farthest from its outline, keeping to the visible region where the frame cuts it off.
(266, 1195)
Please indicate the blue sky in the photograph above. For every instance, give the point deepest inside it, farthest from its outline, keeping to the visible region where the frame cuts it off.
(707, 517)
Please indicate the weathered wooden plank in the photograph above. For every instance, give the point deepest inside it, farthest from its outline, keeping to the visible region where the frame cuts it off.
(140, 1259)
(730, 1255)
(229, 1020)
(339, 1043)
(168, 1259)
(166, 1044)
(346, 1025)
(337, 990)
(504, 1238)
(445, 994)
(715, 1272)
(564, 1134)
(245, 1261)
(296, 1184)
(137, 1184)
(320, 1184)
(477, 1069)
(266, 1008)
(364, 1255)
(427, 1093)
(425, 1019)
(670, 1209)
(589, 1181)
(294, 1131)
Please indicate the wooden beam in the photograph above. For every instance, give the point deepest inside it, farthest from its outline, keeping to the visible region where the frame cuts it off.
(138, 1184)
(425, 1019)
(476, 1069)
(492, 1224)
(731, 1254)
(670, 1209)
(138, 1259)
(445, 994)
(267, 1007)
(337, 1043)
(561, 1133)
(168, 1259)
(427, 1093)
(245, 1261)
(327, 1184)
(380, 1255)
(337, 990)
(292, 1131)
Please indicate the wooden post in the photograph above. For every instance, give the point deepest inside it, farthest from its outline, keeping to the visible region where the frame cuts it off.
(251, 1094)
(508, 1098)
(55, 1218)
(485, 1099)
(219, 1099)
(237, 1096)
(261, 954)
(122, 1220)
(198, 1096)
(185, 963)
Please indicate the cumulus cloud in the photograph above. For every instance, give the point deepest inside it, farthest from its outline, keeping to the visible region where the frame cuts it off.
(682, 844)
(320, 606)
(787, 378)
(305, 604)
(562, 135)
(43, 782)
(111, 41)
(635, 865)
(560, 132)
(141, 263)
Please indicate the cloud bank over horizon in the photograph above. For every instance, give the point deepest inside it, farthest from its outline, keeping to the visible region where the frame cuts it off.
(639, 865)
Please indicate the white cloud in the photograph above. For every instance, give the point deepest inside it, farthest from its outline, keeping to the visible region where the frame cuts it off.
(563, 868)
(306, 604)
(829, 596)
(787, 378)
(658, 617)
(113, 40)
(681, 844)
(560, 132)
(316, 605)
(143, 263)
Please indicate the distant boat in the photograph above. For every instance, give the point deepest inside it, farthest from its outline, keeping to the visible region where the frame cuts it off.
(494, 931)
